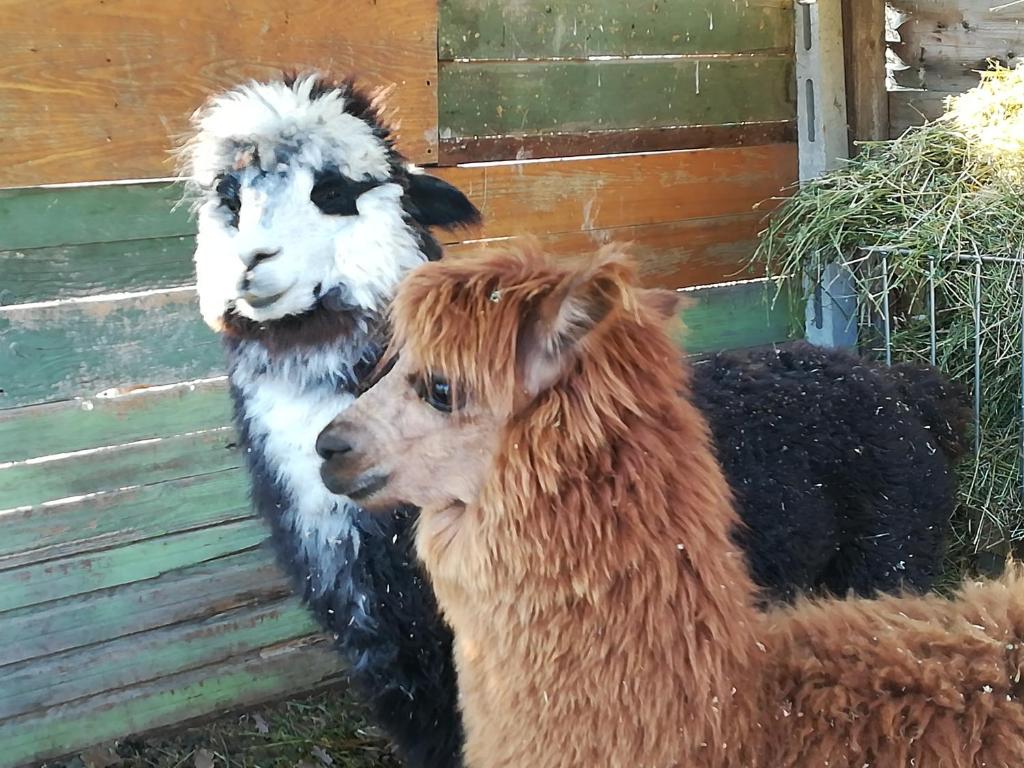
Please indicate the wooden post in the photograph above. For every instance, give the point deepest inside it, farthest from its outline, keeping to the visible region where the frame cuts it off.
(867, 102)
(831, 312)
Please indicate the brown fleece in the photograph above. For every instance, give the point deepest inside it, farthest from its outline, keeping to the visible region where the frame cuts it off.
(603, 615)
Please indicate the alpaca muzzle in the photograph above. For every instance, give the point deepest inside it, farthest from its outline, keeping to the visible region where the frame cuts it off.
(341, 471)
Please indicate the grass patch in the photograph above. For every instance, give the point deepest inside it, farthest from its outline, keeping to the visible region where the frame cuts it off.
(325, 729)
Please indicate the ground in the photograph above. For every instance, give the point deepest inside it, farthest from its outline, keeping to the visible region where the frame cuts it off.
(321, 730)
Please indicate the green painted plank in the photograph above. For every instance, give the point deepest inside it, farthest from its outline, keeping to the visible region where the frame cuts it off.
(42, 683)
(75, 425)
(736, 316)
(31, 484)
(192, 593)
(43, 217)
(237, 683)
(76, 271)
(543, 29)
(520, 98)
(52, 352)
(120, 517)
(56, 579)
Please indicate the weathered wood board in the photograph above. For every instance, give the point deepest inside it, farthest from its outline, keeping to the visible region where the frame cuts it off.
(678, 254)
(548, 29)
(234, 683)
(946, 42)
(565, 78)
(75, 425)
(52, 352)
(503, 98)
(584, 194)
(116, 90)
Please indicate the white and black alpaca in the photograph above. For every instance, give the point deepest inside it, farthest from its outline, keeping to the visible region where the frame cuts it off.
(308, 217)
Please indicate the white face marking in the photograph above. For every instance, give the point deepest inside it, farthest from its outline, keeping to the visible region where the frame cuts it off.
(266, 249)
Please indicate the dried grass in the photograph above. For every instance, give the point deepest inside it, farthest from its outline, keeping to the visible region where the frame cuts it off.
(950, 187)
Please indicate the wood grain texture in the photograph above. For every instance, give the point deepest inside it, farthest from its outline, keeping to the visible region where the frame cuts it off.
(548, 145)
(186, 594)
(77, 271)
(52, 352)
(736, 316)
(522, 98)
(80, 574)
(867, 104)
(120, 517)
(156, 461)
(72, 675)
(946, 41)
(238, 682)
(581, 195)
(911, 108)
(674, 255)
(75, 425)
(544, 29)
(38, 218)
(116, 90)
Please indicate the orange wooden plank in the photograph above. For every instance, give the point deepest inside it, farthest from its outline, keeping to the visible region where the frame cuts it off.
(93, 91)
(585, 194)
(674, 255)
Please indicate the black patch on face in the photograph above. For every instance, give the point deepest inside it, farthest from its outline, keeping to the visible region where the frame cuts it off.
(228, 190)
(335, 194)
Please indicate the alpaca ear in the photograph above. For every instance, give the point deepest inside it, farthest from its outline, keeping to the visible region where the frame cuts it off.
(665, 304)
(433, 202)
(550, 336)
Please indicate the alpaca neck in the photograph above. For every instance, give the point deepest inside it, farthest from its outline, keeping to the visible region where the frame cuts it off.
(632, 528)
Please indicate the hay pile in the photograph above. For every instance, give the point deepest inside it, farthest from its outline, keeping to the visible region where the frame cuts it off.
(952, 186)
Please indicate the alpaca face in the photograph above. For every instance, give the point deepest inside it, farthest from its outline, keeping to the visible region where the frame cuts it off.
(429, 431)
(416, 438)
(304, 202)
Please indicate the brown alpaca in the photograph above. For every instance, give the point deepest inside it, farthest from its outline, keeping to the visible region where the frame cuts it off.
(578, 532)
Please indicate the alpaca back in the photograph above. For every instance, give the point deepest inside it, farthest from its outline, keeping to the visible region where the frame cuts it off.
(898, 681)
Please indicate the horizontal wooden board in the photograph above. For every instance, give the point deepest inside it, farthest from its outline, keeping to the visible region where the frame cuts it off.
(585, 194)
(116, 91)
(76, 271)
(517, 98)
(186, 594)
(106, 470)
(39, 218)
(79, 574)
(674, 255)
(75, 425)
(42, 683)
(239, 682)
(57, 351)
(544, 29)
(544, 145)
(119, 517)
(736, 316)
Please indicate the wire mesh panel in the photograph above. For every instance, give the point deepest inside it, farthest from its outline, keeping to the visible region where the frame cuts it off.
(963, 313)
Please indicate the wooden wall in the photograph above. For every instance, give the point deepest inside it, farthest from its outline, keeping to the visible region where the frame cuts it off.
(135, 590)
(945, 42)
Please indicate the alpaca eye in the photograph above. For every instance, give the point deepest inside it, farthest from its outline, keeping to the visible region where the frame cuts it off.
(437, 393)
(228, 190)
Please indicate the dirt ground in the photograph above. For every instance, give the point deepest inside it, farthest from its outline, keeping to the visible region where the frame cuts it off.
(322, 730)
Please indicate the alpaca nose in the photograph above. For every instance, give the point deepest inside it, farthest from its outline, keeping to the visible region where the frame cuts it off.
(252, 258)
(330, 445)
